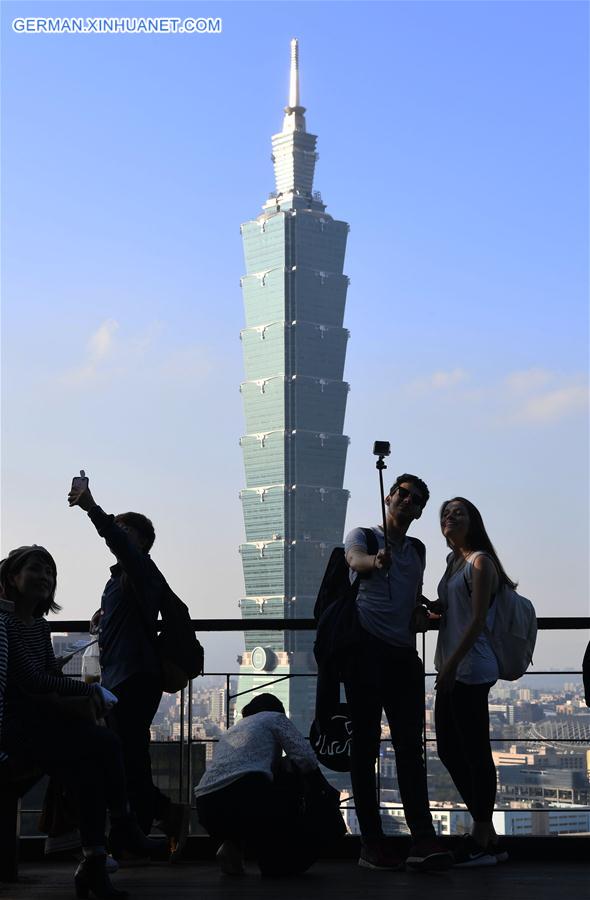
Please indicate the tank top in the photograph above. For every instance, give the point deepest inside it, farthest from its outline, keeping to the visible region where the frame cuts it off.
(479, 665)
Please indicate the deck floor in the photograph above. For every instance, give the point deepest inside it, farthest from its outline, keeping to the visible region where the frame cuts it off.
(328, 879)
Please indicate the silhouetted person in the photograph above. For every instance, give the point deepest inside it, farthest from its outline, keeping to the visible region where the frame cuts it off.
(129, 661)
(384, 672)
(238, 797)
(467, 669)
(41, 730)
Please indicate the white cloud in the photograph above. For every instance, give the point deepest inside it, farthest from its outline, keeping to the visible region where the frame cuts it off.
(536, 397)
(448, 379)
(100, 343)
(110, 355)
(528, 380)
(555, 404)
(439, 381)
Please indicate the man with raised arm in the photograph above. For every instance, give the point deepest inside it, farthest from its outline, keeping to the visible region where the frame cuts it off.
(384, 672)
(129, 662)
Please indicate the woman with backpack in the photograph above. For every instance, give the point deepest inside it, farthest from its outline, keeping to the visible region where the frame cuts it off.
(467, 668)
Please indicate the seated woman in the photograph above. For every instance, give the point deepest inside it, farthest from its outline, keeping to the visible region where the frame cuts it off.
(45, 734)
(238, 797)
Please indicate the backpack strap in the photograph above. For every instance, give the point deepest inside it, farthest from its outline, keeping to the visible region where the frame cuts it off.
(420, 549)
(372, 542)
(469, 562)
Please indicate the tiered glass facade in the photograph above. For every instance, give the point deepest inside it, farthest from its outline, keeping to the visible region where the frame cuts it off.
(294, 400)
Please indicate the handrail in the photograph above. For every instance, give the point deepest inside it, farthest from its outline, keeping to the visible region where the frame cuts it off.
(255, 623)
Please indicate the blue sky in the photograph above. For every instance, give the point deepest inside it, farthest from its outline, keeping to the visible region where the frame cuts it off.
(454, 139)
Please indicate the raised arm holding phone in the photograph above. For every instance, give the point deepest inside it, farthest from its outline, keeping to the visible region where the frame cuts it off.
(130, 664)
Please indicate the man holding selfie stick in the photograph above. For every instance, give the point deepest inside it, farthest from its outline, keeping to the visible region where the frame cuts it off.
(130, 665)
(384, 672)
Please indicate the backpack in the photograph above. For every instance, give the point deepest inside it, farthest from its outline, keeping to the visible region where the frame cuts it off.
(337, 623)
(335, 609)
(513, 633)
(181, 654)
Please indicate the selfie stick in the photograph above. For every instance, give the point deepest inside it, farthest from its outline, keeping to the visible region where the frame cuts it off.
(380, 465)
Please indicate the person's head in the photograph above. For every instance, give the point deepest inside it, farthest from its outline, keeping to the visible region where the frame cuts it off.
(30, 573)
(138, 528)
(263, 703)
(406, 499)
(462, 526)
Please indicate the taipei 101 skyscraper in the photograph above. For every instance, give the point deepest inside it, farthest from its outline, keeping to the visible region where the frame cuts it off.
(294, 401)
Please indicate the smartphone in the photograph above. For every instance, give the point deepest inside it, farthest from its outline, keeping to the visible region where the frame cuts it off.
(80, 482)
(381, 448)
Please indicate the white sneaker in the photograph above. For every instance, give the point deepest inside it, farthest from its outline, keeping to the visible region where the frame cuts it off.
(230, 859)
(469, 854)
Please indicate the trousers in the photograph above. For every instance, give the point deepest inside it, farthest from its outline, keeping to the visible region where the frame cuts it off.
(463, 742)
(377, 677)
(139, 698)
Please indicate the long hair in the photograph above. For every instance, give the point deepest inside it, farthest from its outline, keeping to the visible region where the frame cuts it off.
(477, 536)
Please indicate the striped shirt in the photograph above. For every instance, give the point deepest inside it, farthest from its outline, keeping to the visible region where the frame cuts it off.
(3, 671)
(32, 669)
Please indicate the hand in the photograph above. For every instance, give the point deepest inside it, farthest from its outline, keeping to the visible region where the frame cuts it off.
(83, 499)
(445, 680)
(95, 622)
(382, 560)
(98, 702)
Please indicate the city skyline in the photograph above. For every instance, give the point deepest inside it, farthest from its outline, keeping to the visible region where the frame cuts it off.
(456, 144)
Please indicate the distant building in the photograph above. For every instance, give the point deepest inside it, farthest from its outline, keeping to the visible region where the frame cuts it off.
(542, 821)
(544, 786)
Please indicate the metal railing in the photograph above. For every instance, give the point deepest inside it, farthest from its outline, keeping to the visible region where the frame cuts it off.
(186, 739)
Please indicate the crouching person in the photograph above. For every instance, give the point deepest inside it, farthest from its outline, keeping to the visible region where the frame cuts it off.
(242, 800)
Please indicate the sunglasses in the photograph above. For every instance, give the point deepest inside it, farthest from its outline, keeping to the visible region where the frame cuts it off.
(404, 493)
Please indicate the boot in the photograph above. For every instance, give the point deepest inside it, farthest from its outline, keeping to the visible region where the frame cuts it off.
(91, 879)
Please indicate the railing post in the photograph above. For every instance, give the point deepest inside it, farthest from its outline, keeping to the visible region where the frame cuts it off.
(189, 740)
(424, 739)
(181, 748)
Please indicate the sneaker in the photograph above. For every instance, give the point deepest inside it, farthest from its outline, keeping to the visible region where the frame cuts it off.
(175, 825)
(428, 855)
(470, 854)
(70, 840)
(499, 852)
(230, 858)
(377, 855)
(111, 864)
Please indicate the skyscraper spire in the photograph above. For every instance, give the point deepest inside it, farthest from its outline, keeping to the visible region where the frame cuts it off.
(293, 149)
(294, 113)
(294, 79)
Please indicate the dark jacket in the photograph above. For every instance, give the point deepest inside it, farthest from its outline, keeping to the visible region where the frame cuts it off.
(130, 603)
